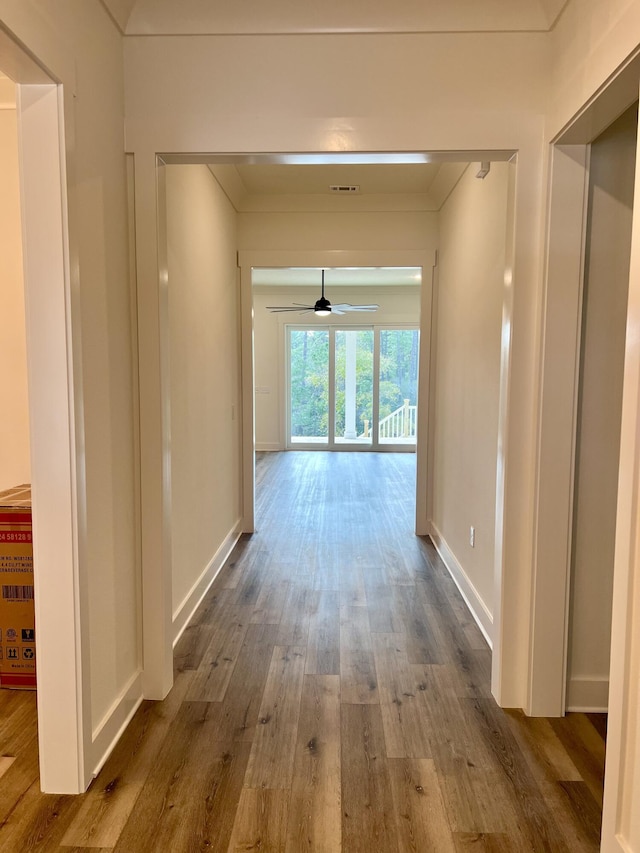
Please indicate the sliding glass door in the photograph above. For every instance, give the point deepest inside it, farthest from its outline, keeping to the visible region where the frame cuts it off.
(352, 387)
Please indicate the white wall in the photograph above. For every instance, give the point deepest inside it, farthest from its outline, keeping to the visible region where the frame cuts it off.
(590, 43)
(301, 230)
(15, 465)
(470, 287)
(611, 178)
(204, 371)
(100, 215)
(307, 93)
(397, 305)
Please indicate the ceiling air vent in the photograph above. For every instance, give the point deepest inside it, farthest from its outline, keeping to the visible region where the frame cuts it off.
(344, 188)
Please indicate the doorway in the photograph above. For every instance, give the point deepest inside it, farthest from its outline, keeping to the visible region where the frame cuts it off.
(352, 388)
(599, 410)
(264, 391)
(566, 256)
(64, 734)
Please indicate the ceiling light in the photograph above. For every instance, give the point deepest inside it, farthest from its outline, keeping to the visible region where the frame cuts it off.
(322, 308)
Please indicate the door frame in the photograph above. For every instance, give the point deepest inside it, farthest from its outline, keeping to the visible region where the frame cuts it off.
(326, 259)
(565, 257)
(513, 530)
(55, 413)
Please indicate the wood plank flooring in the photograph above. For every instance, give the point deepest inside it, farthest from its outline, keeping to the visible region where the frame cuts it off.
(331, 694)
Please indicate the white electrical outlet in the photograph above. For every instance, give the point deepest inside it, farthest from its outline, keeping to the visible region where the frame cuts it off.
(472, 537)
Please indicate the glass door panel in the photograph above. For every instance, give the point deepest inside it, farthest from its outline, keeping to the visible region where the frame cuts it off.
(353, 386)
(398, 386)
(309, 386)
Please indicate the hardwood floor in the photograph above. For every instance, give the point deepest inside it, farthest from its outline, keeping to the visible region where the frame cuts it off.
(331, 694)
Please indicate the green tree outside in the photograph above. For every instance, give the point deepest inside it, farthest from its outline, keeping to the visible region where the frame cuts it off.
(309, 364)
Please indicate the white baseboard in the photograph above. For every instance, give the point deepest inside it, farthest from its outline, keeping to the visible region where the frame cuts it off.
(589, 695)
(474, 602)
(191, 601)
(272, 446)
(109, 730)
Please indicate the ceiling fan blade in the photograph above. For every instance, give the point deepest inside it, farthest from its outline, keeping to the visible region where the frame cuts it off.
(337, 310)
(276, 309)
(347, 307)
(293, 307)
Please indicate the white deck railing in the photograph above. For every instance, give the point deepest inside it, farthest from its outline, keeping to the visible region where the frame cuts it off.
(399, 424)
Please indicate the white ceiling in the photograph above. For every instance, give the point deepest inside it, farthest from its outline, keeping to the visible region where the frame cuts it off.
(145, 17)
(384, 178)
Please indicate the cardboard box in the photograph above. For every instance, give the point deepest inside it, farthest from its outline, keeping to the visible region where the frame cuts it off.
(17, 617)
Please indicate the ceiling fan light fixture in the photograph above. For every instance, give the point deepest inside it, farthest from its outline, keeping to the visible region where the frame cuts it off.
(322, 308)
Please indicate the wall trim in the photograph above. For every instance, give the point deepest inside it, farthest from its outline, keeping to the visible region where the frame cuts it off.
(110, 729)
(471, 596)
(184, 612)
(588, 695)
(54, 370)
(269, 446)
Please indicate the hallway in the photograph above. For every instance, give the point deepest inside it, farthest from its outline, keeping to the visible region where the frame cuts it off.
(332, 693)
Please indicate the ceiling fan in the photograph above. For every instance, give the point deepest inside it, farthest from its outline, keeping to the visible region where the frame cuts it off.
(323, 307)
